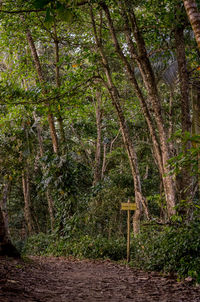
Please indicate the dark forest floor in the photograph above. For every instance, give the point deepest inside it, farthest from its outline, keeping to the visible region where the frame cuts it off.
(62, 280)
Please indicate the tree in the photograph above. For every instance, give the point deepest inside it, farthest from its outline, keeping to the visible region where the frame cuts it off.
(139, 198)
(6, 247)
(194, 18)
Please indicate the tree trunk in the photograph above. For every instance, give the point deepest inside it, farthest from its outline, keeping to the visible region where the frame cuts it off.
(3, 205)
(194, 18)
(103, 169)
(6, 247)
(97, 167)
(58, 82)
(27, 201)
(42, 82)
(139, 198)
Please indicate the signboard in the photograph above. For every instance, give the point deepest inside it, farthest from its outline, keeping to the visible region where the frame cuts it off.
(128, 206)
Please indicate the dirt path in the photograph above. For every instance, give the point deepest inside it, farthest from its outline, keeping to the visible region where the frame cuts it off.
(62, 280)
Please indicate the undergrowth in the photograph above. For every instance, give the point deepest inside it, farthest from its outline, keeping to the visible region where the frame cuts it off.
(83, 247)
(169, 249)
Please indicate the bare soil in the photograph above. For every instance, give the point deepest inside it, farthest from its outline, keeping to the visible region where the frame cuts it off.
(66, 280)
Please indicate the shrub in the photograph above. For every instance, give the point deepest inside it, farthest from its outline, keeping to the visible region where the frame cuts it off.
(169, 249)
(83, 247)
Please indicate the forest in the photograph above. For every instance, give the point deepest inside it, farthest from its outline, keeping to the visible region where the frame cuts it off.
(100, 104)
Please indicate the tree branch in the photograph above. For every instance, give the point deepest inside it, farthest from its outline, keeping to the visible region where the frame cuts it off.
(22, 11)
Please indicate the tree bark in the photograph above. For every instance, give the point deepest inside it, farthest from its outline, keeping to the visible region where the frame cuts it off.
(194, 18)
(103, 169)
(97, 166)
(58, 82)
(27, 201)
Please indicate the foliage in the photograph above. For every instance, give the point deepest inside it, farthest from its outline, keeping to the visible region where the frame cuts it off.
(83, 247)
(187, 157)
(174, 249)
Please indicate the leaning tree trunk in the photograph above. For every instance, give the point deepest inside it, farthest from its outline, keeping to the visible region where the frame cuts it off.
(194, 18)
(6, 247)
(151, 86)
(97, 166)
(148, 77)
(58, 82)
(41, 78)
(139, 198)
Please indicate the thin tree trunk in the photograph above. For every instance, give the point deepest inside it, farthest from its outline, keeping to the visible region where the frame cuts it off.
(50, 207)
(171, 124)
(58, 82)
(42, 82)
(194, 18)
(103, 169)
(27, 201)
(139, 198)
(97, 168)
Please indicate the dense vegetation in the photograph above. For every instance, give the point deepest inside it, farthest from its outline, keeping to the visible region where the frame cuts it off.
(100, 102)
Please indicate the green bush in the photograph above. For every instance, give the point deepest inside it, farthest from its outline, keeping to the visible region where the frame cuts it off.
(37, 244)
(83, 247)
(169, 249)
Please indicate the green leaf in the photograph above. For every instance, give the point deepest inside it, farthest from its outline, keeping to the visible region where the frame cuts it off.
(65, 14)
(49, 17)
(41, 3)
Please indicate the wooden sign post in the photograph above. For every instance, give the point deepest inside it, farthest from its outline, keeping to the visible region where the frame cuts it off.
(127, 206)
